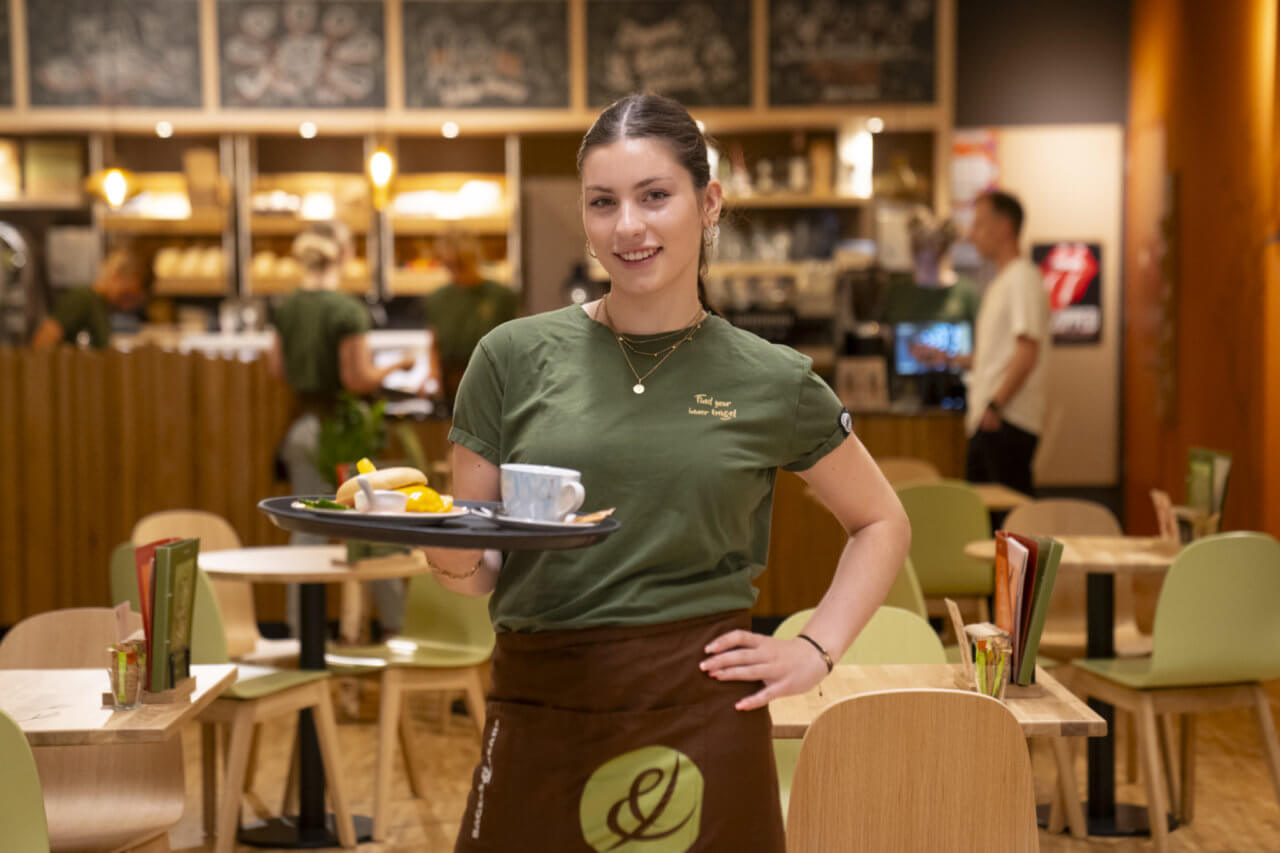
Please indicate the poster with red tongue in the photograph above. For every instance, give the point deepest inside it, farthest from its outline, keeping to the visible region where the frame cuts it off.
(1073, 281)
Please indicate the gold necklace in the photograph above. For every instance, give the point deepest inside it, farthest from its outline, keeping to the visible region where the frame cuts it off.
(689, 331)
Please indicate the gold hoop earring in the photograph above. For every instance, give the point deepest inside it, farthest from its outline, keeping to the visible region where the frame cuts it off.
(710, 235)
(591, 251)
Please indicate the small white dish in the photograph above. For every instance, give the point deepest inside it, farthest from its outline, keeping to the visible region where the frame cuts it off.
(378, 500)
(401, 515)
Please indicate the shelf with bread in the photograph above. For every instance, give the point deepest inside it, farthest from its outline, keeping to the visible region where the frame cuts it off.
(419, 278)
(274, 273)
(285, 204)
(162, 203)
(438, 202)
(785, 200)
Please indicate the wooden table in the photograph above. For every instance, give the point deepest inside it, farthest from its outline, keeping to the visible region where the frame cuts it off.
(63, 707)
(997, 497)
(1056, 711)
(1101, 558)
(311, 566)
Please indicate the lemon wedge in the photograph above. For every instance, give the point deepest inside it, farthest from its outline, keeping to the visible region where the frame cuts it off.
(364, 466)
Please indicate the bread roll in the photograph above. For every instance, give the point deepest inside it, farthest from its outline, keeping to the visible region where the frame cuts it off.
(386, 478)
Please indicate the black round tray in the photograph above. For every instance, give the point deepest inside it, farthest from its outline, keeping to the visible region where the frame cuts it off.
(467, 531)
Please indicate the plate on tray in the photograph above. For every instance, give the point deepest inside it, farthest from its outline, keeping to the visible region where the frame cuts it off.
(402, 515)
(535, 524)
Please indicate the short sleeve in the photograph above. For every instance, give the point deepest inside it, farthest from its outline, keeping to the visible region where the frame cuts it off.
(353, 319)
(821, 423)
(1029, 306)
(477, 411)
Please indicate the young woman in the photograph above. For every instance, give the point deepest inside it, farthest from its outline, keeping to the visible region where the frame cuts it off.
(629, 695)
(320, 350)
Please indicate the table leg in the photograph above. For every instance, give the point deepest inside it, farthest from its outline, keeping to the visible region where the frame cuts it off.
(312, 828)
(1105, 816)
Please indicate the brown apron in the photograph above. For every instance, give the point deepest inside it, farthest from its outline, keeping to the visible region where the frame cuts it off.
(612, 739)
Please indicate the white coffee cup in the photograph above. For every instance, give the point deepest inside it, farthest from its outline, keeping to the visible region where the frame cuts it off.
(540, 492)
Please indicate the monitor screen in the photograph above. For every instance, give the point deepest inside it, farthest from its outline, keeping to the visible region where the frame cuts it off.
(923, 347)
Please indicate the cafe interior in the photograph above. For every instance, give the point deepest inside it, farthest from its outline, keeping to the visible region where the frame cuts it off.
(191, 659)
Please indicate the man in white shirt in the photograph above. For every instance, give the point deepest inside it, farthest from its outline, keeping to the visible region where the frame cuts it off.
(1006, 399)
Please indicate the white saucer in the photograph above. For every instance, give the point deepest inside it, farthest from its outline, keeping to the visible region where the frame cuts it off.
(401, 515)
(535, 524)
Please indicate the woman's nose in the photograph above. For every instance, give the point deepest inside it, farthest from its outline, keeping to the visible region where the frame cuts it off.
(629, 221)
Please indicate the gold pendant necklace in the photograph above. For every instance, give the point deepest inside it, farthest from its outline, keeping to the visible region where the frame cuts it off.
(689, 331)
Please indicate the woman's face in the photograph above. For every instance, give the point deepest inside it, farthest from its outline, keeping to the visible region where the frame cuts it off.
(642, 215)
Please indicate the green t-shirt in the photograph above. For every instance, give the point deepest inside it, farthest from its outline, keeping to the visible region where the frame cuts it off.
(460, 315)
(689, 464)
(311, 325)
(82, 309)
(906, 302)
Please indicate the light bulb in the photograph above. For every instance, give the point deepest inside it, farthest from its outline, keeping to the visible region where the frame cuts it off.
(449, 130)
(380, 168)
(164, 129)
(307, 130)
(875, 124)
(115, 187)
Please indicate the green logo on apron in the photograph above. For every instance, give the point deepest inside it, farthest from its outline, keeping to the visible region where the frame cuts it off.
(648, 800)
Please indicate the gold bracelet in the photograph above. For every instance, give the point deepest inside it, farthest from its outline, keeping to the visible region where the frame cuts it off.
(457, 576)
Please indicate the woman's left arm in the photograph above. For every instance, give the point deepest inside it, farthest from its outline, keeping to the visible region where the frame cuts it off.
(848, 481)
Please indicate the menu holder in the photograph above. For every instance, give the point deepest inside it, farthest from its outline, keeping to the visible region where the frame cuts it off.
(990, 678)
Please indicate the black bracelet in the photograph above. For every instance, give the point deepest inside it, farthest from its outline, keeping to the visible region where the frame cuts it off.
(826, 658)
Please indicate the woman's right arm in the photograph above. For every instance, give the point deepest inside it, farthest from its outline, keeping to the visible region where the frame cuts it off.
(356, 369)
(474, 479)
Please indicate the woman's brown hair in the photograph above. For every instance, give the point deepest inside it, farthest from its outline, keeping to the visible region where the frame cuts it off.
(657, 117)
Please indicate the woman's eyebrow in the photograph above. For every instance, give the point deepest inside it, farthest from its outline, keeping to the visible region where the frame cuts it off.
(639, 184)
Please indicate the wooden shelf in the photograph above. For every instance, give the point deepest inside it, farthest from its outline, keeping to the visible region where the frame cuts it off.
(67, 202)
(406, 282)
(214, 285)
(796, 200)
(418, 226)
(201, 222)
(275, 285)
(266, 224)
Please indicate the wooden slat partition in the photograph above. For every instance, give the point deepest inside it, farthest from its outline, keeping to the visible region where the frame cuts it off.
(92, 441)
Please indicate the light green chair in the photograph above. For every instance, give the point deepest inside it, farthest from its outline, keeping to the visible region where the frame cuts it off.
(945, 517)
(1216, 638)
(893, 635)
(906, 592)
(21, 801)
(445, 646)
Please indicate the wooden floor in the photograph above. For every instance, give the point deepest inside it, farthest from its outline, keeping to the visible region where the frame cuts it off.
(1236, 806)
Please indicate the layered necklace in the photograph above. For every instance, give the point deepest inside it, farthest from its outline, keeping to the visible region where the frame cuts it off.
(665, 351)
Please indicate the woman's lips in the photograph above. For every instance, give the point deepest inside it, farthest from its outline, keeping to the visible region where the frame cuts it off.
(638, 258)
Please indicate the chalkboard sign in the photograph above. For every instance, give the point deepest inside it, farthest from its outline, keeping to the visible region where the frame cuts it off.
(6, 70)
(486, 54)
(134, 53)
(327, 54)
(698, 52)
(852, 52)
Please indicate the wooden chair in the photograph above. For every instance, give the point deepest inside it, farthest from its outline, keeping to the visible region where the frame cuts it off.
(946, 516)
(105, 797)
(900, 470)
(235, 598)
(260, 693)
(906, 592)
(942, 770)
(893, 635)
(1216, 638)
(21, 801)
(445, 646)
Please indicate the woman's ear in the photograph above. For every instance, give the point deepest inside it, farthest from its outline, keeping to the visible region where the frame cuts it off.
(712, 202)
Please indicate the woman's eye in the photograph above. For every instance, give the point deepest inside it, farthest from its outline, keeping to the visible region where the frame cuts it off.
(658, 195)
(601, 202)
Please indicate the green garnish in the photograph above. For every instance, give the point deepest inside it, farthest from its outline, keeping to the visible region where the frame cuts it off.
(321, 503)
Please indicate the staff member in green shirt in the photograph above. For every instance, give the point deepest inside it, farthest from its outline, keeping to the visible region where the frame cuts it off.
(320, 350)
(628, 705)
(460, 313)
(87, 310)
